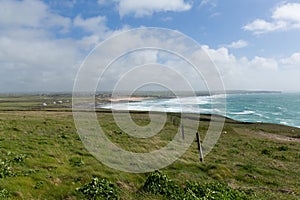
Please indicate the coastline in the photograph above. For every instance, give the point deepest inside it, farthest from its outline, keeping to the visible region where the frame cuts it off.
(258, 107)
(127, 99)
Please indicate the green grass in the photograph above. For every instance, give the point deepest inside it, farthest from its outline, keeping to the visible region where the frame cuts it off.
(34, 102)
(44, 157)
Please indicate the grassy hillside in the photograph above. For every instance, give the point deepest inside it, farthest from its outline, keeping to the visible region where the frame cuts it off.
(42, 157)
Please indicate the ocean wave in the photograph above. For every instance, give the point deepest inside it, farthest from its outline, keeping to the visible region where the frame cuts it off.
(276, 113)
(246, 112)
(259, 114)
(219, 96)
(190, 101)
(245, 107)
(283, 123)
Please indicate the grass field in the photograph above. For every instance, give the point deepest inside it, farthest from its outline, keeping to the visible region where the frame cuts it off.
(42, 156)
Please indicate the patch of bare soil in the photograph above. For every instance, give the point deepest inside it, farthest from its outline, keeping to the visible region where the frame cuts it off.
(267, 135)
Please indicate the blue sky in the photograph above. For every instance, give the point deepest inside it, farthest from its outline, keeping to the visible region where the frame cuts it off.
(42, 43)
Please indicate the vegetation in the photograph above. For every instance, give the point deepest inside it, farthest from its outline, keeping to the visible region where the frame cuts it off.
(42, 157)
(159, 184)
(99, 189)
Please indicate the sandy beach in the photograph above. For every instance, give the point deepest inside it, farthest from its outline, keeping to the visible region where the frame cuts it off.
(120, 99)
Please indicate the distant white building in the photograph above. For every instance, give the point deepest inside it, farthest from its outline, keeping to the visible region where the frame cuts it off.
(44, 104)
(60, 102)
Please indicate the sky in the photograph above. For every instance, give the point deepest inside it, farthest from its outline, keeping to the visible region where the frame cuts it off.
(255, 44)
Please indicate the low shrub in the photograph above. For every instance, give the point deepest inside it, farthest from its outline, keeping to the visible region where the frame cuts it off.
(266, 152)
(8, 162)
(283, 148)
(5, 169)
(76, 162)
(4, 194)
(159, 183)
(99, 189)
(19, 158)
(215, 190)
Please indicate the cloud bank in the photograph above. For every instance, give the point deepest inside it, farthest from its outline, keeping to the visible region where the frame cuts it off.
(147, 7)
(238, 44)
(284, 17)
(37, 52)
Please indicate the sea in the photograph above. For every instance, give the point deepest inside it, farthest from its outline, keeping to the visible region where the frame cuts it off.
(276, 108)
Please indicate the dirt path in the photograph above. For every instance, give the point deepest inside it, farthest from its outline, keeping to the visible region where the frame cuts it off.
(267, 135)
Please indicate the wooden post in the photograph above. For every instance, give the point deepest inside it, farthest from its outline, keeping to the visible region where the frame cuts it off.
(199, 147)
(182, 131)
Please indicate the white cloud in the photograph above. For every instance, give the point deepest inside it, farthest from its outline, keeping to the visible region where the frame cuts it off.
(25, 13)
(147, 7)
(261, 26)
(32, 59)
(96, 30)
(238, 44)
(216, 14)
(257, 73)
(291, 62)
(284, 17)
(227, 61)
(237, 72)
(30, 13)
(166, 19)
(211, 3)
(263, 63)
(91, 25)
(102, 2)
(289, 11)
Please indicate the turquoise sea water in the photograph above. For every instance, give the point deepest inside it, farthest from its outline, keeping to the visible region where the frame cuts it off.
(279, 108)
(274, 108)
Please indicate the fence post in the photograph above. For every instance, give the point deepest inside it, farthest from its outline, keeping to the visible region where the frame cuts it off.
(199, 147)
(182, 131)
